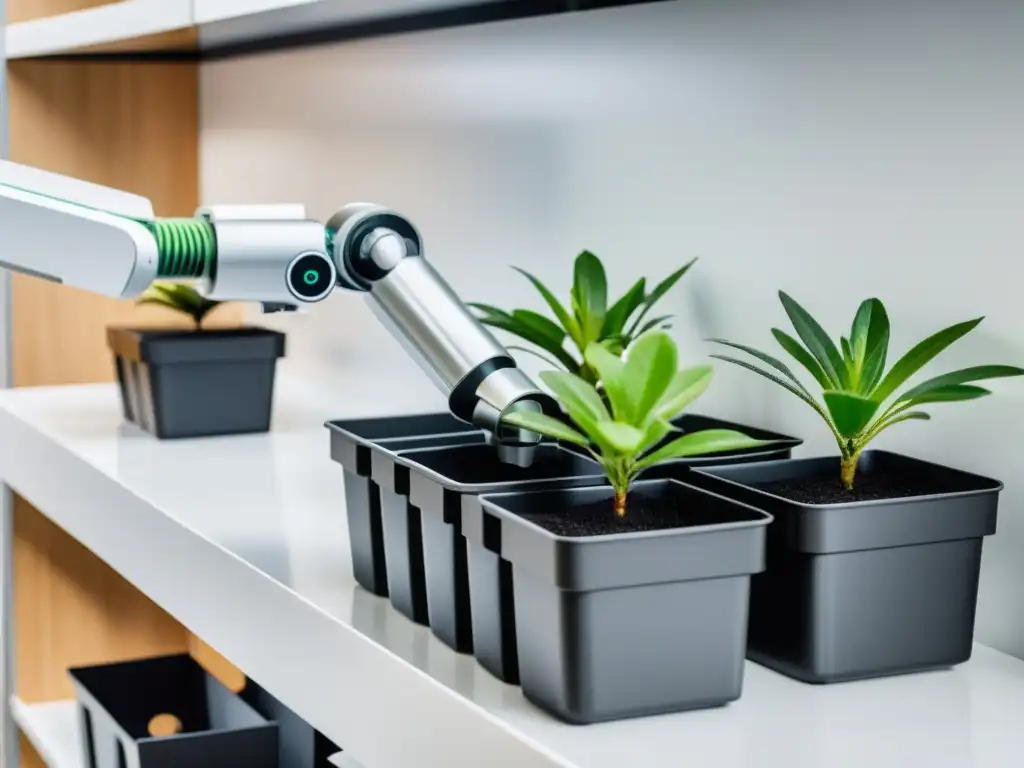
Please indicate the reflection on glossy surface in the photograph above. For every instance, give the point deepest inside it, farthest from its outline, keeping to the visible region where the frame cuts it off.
(276, 501)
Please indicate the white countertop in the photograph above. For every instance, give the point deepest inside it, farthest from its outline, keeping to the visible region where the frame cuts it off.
(244, 540)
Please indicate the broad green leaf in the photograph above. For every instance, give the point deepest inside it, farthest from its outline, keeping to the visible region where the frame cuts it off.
(590, 295)
(656, 431)
(963, 376)
(870, 326)
(919, 356)
(659, 291)
(651, 364)
(802, 356)
(700, 444)
(775, 363)
(567, 320)
(817, 342)
(951, 394)
(802, 394)
(540, 324)
(651, 324)
(575, 395)
(874, 366)
(615, 320)
(623, 438)
(545, 425)
(686, 386)
(850, 412)
(612, 373)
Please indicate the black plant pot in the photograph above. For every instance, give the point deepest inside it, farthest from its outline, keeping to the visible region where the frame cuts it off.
(116, 703)
(180, 384)
(676, 469)
(866, 588)
(617, 625)
(439, 480)
(353, 444)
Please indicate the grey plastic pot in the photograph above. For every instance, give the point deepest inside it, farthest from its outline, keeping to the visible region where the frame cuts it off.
(181, 384)
(634, 624)
(354, 443)
(868, 588)
(439, 480)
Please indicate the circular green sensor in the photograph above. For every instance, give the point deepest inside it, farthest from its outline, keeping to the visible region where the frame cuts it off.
(311, 276)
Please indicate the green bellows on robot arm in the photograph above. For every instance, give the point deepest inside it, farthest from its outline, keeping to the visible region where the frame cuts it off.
(187, 248)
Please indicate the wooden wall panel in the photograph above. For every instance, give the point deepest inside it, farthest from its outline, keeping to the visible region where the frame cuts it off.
(26, 10)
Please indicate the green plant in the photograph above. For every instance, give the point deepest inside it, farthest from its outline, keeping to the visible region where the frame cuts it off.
(588, 320)
(182, 298)
(645, 390)
(853, 379)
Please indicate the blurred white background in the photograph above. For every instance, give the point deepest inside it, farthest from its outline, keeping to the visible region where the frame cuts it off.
(834, 150)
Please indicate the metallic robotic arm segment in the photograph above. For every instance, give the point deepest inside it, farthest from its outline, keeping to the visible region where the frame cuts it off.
(108, 242)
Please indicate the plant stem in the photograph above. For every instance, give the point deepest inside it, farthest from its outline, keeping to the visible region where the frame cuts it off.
(619, 505)
(848, 468)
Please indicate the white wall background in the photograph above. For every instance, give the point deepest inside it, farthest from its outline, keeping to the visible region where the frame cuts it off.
(834, 150)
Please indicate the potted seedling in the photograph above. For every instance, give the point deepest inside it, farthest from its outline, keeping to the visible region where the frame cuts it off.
(630, 597)
(874, 558)
(178, 383)
(562, 340)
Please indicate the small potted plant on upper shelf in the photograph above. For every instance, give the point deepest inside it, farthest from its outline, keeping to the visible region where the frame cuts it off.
(178, 383)
(874, 558)
(590, 320)
(610, 581)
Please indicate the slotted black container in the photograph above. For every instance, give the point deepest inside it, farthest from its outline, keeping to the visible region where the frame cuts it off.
(116, 703)
(631, 624)
(439, 480)
(300, 745)
(864, 588)
(384, 533)
(181, 384)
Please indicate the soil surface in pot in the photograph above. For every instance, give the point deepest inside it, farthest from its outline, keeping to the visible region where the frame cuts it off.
(867, 486)
(597, 518)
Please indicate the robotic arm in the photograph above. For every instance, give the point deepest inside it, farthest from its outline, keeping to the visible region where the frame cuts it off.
(109, 242)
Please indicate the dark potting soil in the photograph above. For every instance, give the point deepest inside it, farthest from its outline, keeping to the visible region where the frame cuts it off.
(867, 486)
(597, 518)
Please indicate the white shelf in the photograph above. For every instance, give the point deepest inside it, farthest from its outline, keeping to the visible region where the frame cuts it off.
(219, 22)
(244, 540)
(52, 729)
(102, 25)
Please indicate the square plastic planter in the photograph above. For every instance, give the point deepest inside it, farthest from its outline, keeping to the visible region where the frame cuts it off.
(117, 702)
(864, 588)
(439, 479)
(179, 384)
(631, 624)
(354, 443)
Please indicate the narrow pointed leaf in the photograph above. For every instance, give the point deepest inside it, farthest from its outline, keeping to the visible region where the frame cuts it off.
(896, 419)
(651, 324)
(659, 291)
(802, 394)
(963, 376)
(874, 366)
(850, 412)
(623, 438)
(567, 321)
(775, 363)
(545, 425)
(707, 441)
(919, 356)
(847, 354)
(487, 309)
(590, 295)
(802, 356)
(817, 342)
(575, 395)
(870, 326)
(950, 394)
(651, 362)
(541, 325)
(612, 373)
(615, 320)
(686, 386)
(529, 333)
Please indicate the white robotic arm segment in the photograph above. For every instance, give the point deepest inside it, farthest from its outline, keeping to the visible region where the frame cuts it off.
(108, 242)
